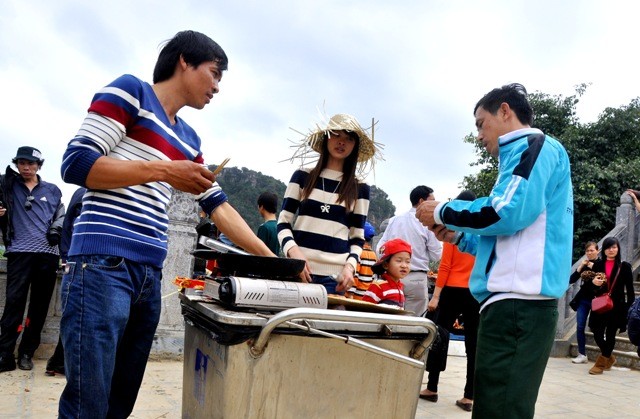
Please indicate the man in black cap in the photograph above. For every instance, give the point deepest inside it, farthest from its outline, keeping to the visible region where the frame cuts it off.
(31, 216)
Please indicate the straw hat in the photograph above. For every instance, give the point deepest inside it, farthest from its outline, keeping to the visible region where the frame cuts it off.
(368, 149)
(345, 122)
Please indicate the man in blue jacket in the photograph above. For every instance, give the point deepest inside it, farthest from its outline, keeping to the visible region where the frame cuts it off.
(521, 235)
(31, 214)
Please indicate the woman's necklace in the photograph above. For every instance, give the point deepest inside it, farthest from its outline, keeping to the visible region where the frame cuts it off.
(325, 207)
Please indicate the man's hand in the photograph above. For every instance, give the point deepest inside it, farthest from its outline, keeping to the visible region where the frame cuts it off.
(443, 233)
(53, 237)
(188, 176)
(424, 213)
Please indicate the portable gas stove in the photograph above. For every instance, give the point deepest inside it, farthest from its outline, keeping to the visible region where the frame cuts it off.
(264, 294)
(251, 282)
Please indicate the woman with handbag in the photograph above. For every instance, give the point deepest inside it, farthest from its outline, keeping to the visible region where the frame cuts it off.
(611, 303)
(581, 303)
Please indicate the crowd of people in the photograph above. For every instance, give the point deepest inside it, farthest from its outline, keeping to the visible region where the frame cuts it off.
(505, 258)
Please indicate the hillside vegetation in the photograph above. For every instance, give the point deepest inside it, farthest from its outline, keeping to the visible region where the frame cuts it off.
(243, 186)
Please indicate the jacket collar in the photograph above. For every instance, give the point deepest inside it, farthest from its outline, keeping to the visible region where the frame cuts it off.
(514, 136)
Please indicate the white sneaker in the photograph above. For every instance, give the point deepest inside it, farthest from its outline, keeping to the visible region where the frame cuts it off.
(580, 359)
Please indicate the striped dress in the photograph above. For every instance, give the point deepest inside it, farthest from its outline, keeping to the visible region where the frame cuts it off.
(328, 234)
(126, 121)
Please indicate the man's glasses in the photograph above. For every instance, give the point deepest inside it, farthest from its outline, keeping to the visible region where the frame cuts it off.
(27, 204)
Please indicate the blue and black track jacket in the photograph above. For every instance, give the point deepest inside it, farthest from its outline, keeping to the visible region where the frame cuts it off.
(521, 234)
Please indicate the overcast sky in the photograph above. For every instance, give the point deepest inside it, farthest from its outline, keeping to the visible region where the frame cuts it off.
(418, 67)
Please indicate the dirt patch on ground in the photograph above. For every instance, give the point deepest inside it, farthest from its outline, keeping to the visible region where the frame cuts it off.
(165, 356)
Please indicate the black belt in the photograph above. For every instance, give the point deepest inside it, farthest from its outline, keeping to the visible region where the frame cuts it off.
(418, 271)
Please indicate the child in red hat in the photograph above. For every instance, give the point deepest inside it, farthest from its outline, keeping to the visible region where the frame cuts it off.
(394, 264)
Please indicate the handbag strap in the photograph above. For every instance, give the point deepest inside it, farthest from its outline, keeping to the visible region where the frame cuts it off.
(615, 278)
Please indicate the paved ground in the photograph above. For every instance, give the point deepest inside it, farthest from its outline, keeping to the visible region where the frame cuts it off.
(568, 391)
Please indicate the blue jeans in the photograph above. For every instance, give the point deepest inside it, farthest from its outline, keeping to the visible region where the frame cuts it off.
(584, 308)
(328, 282)
(110, 311)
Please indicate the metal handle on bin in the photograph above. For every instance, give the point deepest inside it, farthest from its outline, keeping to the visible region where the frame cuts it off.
(287, 316)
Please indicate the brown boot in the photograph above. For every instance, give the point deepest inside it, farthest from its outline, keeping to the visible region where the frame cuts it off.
(610, 363)
(598, 367)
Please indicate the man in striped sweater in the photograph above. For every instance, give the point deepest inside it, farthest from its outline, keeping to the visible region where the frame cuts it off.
(130, 153)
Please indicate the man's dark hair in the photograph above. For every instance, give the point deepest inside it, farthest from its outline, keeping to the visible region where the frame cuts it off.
(268, 201)
(194, 47)
(515, 95)
(419, 192)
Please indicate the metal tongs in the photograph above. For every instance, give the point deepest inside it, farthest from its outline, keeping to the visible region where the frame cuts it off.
(219, 246)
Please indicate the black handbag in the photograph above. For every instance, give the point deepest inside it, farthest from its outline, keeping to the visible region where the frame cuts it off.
(437, 358)
(575, 302)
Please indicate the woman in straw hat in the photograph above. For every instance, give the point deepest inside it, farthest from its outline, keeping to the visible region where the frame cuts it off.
(325, 207)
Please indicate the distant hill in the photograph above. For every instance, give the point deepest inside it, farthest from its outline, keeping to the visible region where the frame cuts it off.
(243, 186)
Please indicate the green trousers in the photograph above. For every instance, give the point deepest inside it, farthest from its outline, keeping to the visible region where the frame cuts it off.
(514, 342)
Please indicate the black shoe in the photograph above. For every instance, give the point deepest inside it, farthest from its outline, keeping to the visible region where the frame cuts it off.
(25, 362)
(467, 407)
(53, 369)
(7, 363)
(429, 397)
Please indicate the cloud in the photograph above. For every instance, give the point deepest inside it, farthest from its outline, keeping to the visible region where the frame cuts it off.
(416, 67)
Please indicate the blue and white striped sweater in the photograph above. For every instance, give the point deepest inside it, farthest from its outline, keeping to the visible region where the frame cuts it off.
(327, 239)
(127, 122)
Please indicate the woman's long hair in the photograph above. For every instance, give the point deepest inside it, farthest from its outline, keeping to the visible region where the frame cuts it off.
(348, 189)
(607, 243)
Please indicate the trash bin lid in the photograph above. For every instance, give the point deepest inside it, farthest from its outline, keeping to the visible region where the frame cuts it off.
(217, 313)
